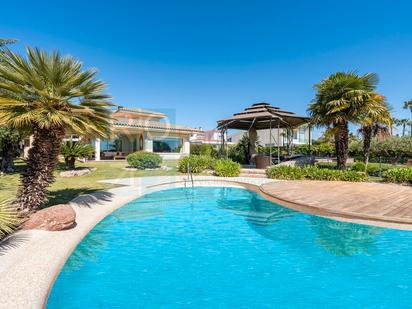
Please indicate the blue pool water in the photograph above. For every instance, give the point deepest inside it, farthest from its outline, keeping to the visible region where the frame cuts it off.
(209, 247)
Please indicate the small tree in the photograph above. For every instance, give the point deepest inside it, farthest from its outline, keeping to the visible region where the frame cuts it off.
(9, 148)
(374, 122)
(72, 150)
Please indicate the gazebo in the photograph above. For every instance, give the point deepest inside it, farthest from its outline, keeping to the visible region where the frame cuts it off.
(262, 116)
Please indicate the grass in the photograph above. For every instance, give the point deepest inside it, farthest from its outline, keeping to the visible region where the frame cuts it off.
(65, 189)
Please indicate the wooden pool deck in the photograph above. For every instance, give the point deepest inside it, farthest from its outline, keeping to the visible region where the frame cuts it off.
(388, 203)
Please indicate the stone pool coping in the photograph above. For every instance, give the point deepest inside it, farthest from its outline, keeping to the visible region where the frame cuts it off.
(30, 261)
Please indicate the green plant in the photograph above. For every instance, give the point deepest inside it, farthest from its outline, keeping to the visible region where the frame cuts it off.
(227, 168)
(240, 152)
(197, 163)
(201, 149)
(313, 173)
(8, 219)
(285, 172)
(72, 150)
(144, 159)
(399, 175)
(392, 149)
(9, 147)
(48, 95)
(358, 167)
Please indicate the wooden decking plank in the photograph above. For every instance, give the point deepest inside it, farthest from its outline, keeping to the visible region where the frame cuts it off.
(384, 201)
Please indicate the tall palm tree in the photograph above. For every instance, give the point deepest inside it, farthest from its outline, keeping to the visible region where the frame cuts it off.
(47, 95)
(408, 105)
(340, 99)
(374, 122)
(403, 123)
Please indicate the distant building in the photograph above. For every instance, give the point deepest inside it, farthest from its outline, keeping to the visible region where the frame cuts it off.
(211, 137)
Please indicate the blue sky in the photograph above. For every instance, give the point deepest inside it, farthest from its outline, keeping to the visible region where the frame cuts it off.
(205, 60)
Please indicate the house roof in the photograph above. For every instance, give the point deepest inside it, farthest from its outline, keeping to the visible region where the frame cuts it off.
(262, 116)
(137, 113)
(149, 125)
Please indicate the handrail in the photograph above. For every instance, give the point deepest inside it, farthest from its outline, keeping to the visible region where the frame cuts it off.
(189, 174)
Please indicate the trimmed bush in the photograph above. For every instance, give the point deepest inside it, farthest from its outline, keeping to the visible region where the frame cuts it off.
(144, 159)
(399, 175)
(198, 164)
(227, 168)
(285, 172)
(313, 173)
(358, 167)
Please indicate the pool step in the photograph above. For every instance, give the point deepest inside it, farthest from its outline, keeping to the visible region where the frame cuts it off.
(253, 173)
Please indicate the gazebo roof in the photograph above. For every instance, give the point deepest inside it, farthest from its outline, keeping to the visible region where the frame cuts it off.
(262, 116)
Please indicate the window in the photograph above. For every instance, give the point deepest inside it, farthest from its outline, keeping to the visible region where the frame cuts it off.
(111, 145)
(169, 144)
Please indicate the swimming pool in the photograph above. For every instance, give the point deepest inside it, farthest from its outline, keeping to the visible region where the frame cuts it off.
(228, 247)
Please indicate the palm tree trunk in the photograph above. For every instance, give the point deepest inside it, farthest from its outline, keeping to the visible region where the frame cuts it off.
(70, 163)
(43, 158)
(341, 145)
(403, 129)
(367, 138)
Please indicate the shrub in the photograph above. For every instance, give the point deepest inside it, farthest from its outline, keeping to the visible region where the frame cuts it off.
(201, 149)
(393, 149)
(144, 159)
(198, 164)
(358, 166)
(227, 168)
(313, 173)
(8, 219)
(400, 175)
(323, 149)
(285, 172)
(72, 150)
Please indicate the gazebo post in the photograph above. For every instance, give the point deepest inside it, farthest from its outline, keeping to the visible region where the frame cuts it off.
(278, 143)
(270, 141)
(221, 142)
(227, 146)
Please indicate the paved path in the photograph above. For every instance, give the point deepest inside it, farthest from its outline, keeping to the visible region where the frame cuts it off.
(370, 201)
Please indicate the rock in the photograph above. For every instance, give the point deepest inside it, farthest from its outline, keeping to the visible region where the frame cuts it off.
(77, 172)
(54, 218)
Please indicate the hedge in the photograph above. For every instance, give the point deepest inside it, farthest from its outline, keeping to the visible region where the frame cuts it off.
(198, 163)
(314, 173)
(227, 168)
(399, 175)
(144, 159)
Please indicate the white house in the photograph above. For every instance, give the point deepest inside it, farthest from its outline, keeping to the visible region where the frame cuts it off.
(139, 129)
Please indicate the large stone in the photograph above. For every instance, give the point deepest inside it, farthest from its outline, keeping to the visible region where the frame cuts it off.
(54, 218)
(77, 172)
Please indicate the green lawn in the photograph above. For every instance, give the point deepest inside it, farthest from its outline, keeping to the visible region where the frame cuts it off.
(65, 189)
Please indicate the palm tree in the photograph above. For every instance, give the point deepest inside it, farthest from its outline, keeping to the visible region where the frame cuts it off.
(72, 150)
(403, 123)
(47, 95)
(408, 105)
(375, 122)
(9, 220)
(340, 99)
